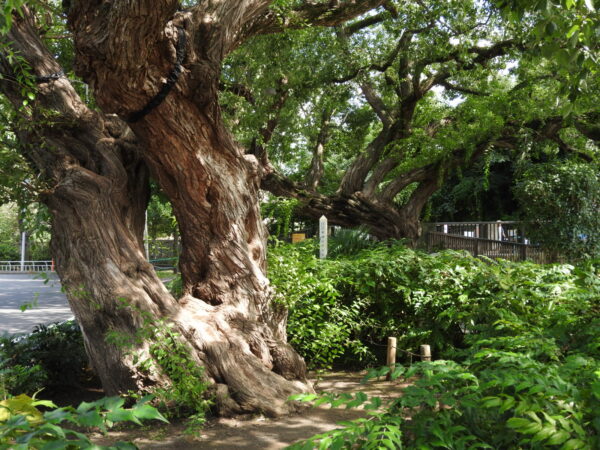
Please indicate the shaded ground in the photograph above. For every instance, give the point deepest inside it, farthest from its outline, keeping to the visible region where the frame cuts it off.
(256, 433)
(18, 289)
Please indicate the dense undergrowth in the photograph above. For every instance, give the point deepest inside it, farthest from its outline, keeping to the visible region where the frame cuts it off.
(51, 358)
(517, 345)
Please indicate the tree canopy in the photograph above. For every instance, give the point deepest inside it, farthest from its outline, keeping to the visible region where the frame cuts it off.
(364, 122)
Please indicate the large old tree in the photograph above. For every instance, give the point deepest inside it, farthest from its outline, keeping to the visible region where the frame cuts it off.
(154, 69)
(364, 123)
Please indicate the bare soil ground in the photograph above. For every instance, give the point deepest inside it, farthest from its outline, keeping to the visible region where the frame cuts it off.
(258, 432)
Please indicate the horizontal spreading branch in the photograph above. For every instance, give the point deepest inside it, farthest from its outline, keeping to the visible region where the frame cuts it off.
(240, 90)
(481, 53)
(309, 13)
(463, 90)
(550, 129)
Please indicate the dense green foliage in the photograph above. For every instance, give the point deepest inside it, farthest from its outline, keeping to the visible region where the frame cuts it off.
(278, 215)
(9, 234)
(559, 204)
(521, 344)
(50, 357)
(23, 426)
(417, 95)
(34, 220)
(350, 305)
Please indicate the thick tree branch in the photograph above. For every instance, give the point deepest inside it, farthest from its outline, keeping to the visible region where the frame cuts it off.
(376, 103)
(482, 54)
(239, 89)
(359, 25)
(259, 149)
(430, 171)
(350, 211)
(395, 186)
(317, 166)
(379, 174)
(463, 90)
(401, 45)
(310, 13)
(550, 129)
(355, 176)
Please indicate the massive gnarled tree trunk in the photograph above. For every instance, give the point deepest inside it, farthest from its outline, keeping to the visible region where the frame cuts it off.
(97, 194)
(158, 69)
(96, 191)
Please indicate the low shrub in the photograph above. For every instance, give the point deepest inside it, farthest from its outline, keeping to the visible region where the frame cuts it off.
(522, 367)
(24, 426)
(350, 305)
(51, 356)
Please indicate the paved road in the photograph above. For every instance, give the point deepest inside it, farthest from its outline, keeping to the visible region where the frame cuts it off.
(18, 289)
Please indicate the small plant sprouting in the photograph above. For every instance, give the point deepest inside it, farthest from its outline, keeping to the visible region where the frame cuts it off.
(170, 356)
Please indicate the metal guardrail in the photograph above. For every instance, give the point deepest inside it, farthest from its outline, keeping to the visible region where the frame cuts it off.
(26, 266)
(164, 263)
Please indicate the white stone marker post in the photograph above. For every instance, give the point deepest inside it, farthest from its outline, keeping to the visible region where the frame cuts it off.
(23, 246)
(323, 237)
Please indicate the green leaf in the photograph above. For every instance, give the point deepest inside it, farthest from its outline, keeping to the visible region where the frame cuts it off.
(122, 415)
(544, 433)
(572, 30)
(85, 406)
(558, 438)
(111, 403)
(90, 419)
(517, 422)
(573, 444)
(146, 411)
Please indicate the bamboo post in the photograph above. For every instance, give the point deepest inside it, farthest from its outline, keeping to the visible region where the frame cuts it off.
(391, 356)
(425, 353)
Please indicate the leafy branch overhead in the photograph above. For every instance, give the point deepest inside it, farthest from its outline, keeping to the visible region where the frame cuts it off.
(411, 95)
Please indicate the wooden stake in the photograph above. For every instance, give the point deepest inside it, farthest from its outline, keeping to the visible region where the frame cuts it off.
(425, 353)
(391, 356)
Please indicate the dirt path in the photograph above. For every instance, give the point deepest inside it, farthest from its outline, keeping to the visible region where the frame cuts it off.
(259, 433)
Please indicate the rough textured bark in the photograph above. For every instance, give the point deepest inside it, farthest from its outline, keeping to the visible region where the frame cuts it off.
(97, 190)
(225, 312)
(383, 221)
(316, 166)
(98, 193)
(159, 68)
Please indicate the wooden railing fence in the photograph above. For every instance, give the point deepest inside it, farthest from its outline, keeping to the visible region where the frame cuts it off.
(500, 239)
(501, 230)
